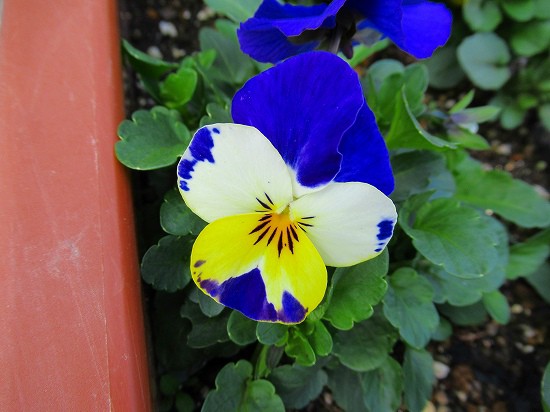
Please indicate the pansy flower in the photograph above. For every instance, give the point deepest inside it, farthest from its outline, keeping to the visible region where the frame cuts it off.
(299, 182)
(277, 31)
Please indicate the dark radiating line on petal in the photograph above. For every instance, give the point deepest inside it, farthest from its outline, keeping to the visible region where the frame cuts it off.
(305, 224)
(294, 234)
(262, 235)
(266, 217)
(263, 204)
(280, 243)
(290, 243)
(271, 237)
(308, 217)
(302, 228)
(269, 199)
(259, 227)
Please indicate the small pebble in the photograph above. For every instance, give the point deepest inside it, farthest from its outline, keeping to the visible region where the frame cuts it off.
(504, 149)
(441, 398)
(542, 191)
(168, 29)
(516, 309)
(525, 348)
(205, 14)
(429, 407)
(441, 371)
(178, 53)
(154, 51)
(461, 396)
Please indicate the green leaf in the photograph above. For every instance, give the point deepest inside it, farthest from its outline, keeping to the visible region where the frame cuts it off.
(299, 348)
(542, 9)
(451, 235)
(545, 388)
(419, 378)
(485, 57)
(382, 387)
(261, 397)
(176, 218)
(519, 10)
(475, 115)
(208, 305)
(408, 306)
(406, 133)
(241, 329)
(463, 102)
(462, 292)
(152, 139)
(215, 113)
(530, 39)
(298, 385)
(497, 306)
(206, 331)
(481, 15)
(443, 68)
(184, 402)
(361, 52)
(416, 81)
(178, 88)
(271, 333)
(236, 392)
(443, 331)
(414, 172)
(233, 65)
(320, 339)
(527, 257)
(355, 290)
(512, 199)
(366, 345)
(468, 140)
(347, 389)
(544, 115)
(165, 266)
(540, 280)
(471, 315)
(144, 64)
(236, 11)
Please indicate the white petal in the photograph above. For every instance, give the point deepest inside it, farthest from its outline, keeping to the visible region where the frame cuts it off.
(347, 222)
(230, 169)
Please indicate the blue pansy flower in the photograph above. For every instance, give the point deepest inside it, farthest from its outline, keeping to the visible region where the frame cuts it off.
(301, 181)
(278, 31)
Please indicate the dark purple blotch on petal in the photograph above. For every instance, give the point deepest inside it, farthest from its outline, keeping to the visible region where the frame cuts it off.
(202, 144)
(200, 150)
(293, 311)
(385, 229)
(246, 293)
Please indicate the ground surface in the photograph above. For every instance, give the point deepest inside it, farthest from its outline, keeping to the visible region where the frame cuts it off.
(485, 368)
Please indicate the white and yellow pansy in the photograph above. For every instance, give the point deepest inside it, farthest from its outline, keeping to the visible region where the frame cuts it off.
(290, 189)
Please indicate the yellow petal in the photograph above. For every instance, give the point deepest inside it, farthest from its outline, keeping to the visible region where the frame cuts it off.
(260, 265)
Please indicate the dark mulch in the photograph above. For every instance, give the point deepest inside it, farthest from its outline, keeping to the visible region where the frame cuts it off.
(486, 368)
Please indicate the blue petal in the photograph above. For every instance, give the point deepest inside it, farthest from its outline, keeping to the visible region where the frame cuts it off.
(266, 36)
(415, 26)
(426, 26)
(365, 157)
(303, 106)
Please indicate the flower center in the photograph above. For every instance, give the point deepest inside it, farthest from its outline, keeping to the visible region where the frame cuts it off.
(278, 229)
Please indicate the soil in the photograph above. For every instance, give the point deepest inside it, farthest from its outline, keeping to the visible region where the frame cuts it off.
(486, 368)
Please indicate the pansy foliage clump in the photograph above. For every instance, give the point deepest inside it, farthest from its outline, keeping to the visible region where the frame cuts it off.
(322, 220)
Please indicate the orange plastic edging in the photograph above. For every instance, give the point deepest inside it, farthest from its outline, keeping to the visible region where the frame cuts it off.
(72, 336)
